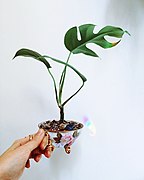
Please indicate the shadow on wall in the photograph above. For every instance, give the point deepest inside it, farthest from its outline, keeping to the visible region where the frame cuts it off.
(127, 12)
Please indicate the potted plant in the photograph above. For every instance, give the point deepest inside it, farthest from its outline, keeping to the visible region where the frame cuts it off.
(64, 132)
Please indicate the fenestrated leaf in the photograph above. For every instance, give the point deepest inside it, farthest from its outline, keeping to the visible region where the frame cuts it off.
(74, 45)
(33, 54)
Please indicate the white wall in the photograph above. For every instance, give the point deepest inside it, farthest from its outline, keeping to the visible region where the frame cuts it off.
(112, 98)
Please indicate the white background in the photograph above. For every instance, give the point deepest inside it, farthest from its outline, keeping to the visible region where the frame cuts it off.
(113, 97)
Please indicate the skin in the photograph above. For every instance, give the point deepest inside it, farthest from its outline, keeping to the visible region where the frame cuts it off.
(14, 160)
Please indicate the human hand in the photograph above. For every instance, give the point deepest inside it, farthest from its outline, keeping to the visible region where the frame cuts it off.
(17, 157)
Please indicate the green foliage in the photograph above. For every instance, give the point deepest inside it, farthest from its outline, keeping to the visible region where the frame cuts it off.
(87, 36)
(33, 54)
(75, 46)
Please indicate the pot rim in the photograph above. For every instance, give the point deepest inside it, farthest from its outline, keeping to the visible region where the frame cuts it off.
(61, 131)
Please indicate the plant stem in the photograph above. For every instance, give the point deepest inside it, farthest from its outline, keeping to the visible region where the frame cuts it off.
(61, 113)
(54, 82)
(72, 95)
(62, 106)
(61, 84)
(62, 79)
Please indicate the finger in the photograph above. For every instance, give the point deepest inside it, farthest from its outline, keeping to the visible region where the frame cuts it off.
(20, 142)
(48, 151)
(17, 143)
(34, 143)
(44, 143)
(27, 164)
(35, 152)
(37, 157)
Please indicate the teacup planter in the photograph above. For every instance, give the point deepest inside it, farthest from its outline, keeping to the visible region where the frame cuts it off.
(63, 133)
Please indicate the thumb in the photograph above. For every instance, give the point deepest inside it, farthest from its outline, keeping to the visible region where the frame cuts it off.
(34, 143)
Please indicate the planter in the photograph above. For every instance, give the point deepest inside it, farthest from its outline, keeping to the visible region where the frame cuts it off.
(62, 133)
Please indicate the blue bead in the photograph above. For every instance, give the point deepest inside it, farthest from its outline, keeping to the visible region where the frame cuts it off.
(69, 127)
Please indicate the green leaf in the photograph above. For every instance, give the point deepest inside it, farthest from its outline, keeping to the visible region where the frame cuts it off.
(32, 54)
(74, 45)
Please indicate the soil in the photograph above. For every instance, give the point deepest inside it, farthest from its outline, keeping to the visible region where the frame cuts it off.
(60, 126)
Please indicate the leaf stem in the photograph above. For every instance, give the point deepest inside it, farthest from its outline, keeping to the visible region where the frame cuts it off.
(55, 87)
(61, 84)
(72, 95)
(62, 79)
(83, 78)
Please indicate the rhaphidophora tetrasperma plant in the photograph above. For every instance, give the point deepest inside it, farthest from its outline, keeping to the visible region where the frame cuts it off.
(75, 46)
